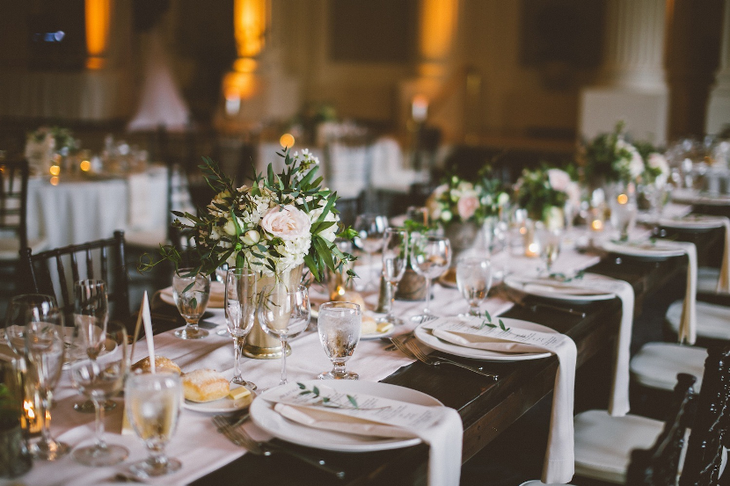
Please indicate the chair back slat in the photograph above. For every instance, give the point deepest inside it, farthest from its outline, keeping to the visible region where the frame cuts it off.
(14, 199)
(710, 426)
(39, 278)
(658, 465)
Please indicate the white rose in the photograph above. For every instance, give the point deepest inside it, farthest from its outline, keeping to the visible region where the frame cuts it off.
(251, 237)
(559, 179)
(503, 199)
(286, 222)
(636, 166)
(229, 228)
(658, 161)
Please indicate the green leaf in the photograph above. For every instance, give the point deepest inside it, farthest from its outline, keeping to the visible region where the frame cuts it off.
(353, 401)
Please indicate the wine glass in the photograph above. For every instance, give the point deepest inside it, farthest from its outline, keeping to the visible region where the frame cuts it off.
(339, 325)
(44, 350)
(152, 403)
(240, 308)
(473, 279)
(100, 379)
(21, 310)
(550, 242)
(284, 313)
(623, 215)
(430, 257)
(91, 314)
(370, 229)
(191, 292)
(395, 259)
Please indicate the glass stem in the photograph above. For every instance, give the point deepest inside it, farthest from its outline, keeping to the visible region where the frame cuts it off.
(391, 301)
(473, 309)
(157, 455)
(99, 412)
(338, 368)
(237, 342)
(283, 361)
(45, 421)
(426, 310)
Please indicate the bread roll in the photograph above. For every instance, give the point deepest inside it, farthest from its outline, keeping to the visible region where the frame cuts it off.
(204, 385)
(351, 296)
(368, 326)
(161, 364)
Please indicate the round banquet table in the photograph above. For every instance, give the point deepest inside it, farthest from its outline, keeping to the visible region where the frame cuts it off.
(78, 209)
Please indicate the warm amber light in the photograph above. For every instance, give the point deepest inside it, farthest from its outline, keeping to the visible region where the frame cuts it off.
(533, 249)
(622, 198)
(85, 165)
(55, 180)
(286, 140)
(523, 230)
(55, 170)
(30, 418)
(97, 31)
(249, 25)
(438, 23)
(597, 225)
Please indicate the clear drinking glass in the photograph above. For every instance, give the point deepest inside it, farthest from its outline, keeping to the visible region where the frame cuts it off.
(44, 351)
(339, 325)
(100, 379)
(550, 241)
(91, 314)
(191, 292)
(21, 310)
(284, 313)
(431, 258)
(152, 403)
(395, 259)
(370, 229)
(623, 215)
(474, 278)
(240, 308)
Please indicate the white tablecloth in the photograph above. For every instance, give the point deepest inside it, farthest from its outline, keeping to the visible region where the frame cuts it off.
(76, 210)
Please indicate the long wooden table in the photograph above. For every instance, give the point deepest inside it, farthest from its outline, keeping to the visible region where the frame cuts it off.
(487, 408)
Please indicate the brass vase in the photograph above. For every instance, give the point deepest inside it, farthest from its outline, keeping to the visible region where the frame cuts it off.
(260, 345)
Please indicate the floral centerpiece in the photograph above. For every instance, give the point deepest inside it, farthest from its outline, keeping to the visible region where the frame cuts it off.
(279, 223)
(610, 158)
(45, 143)
(543, 194)
(656, 167)
(457, 200)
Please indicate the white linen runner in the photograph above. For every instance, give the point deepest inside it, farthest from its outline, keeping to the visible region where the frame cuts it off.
(559, 456)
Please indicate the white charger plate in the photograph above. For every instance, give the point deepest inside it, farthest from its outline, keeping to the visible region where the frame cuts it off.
(552, 290)
(646, 251)
(691, 196)
(482, 354)
(263, 415)
(693, 222)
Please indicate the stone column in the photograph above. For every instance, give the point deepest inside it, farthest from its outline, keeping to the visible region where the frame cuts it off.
(631, 84)
(718, 106)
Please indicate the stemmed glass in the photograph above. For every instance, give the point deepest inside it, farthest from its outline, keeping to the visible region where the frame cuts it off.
(191, 292)
(21, 310)
(284, 313)
(430, 257)
(395, 259)
(152, 403)
(473, 279)
(100, 379)
(339, 325)
(91, 314)
(44, 350)
(240, 308)
(550, 242)
(370, 229)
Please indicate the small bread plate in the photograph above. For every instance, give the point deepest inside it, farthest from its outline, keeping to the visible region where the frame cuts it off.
(263, 415)
(424, 335)
(643, 250)
(222, 405)
(554, 289)
(378, 335)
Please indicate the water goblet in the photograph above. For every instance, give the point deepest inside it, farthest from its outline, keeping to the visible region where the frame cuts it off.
(623, 215)
(44, 350)
(21, 310)
(91, 314)
(395, 260)
(99, 380)
(152, 403)
(284, 313)
(190, 291)
(431, 258)
(370, 229)
(240, 309)
(339, 325)
(550, 241)
(473, 279)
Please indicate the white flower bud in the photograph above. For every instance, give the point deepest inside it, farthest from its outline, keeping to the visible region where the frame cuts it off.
(251, 237)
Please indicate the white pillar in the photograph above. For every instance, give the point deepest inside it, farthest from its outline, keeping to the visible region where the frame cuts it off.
(718, 104)
(632, 84)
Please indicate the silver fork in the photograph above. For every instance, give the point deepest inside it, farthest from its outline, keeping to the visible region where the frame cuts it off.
(412, 349)
(236, 434)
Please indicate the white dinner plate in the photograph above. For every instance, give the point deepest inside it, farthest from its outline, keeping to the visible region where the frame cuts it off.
(698, 222)
(552, 289)
(222, 405)
(645, 250)
(482, 354)
(690, 196)
(263, 415)
(214, 302)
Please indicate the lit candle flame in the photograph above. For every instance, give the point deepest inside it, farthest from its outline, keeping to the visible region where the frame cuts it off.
(622, 199)
(85, 165)
(55, 170)
(287, 140)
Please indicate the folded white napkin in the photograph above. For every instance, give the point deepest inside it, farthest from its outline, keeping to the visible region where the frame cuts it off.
(139, 194)
(559, 457)
(723, 284)
(439, 427)
(688, 322)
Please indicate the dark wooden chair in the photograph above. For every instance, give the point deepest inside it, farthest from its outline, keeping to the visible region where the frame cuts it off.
(659, 465)
(54, 272)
